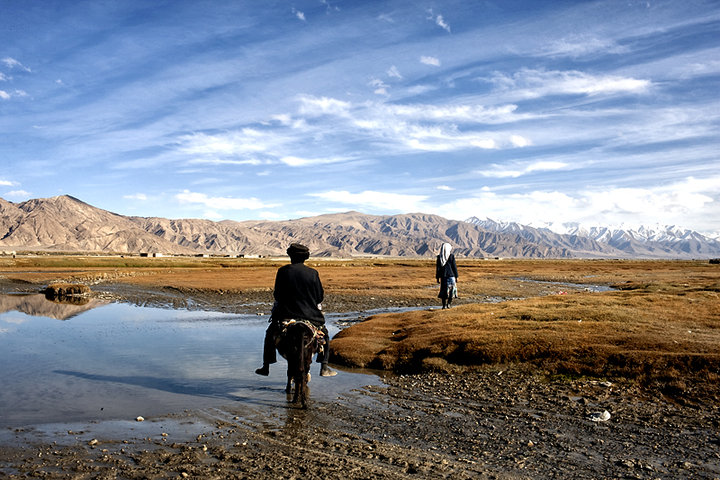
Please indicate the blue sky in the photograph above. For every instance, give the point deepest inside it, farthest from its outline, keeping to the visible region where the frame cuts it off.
(593, 112)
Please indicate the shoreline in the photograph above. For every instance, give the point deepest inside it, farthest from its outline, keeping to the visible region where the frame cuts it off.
(504, 422)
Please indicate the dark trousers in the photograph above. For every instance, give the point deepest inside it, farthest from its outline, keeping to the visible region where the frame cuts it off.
(270, 352)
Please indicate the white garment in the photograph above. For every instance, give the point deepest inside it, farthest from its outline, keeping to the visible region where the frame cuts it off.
(445, 253)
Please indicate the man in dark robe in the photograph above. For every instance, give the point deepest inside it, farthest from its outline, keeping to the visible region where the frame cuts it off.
(298, 295)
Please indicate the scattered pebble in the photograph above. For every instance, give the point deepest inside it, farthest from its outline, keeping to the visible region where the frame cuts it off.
(600, 416)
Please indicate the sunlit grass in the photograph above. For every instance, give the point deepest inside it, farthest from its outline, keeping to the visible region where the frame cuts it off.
(662, 323)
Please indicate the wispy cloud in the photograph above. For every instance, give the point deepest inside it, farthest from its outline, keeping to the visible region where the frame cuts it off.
(136, 196)
(298, 14)
(375, 200)
(393, 72)
(379, 87)
(18, 194)
(294, 161)
(531, 83)
(221, 203)
(578, 45)
(11, 63)
(438, 20)
(507, 171)
(676, 203)
(432, 61)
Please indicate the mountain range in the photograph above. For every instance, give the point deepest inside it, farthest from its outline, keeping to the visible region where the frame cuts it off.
(66, 224)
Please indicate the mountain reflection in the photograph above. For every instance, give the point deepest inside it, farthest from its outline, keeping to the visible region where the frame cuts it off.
(37, 305)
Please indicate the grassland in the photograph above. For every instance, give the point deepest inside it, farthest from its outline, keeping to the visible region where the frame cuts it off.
(660, 323)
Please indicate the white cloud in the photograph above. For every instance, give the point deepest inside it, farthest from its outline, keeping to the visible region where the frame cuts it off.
(432, 61)
(454, 113)
(380, 87)
(374, 199)
(445, 188)
(7, 183)
(3, 77)
(576, 46)
(393, 72)
(520, 141)
(300, 15)
(221, 203)
(245, 141)
(310, 105)
(12, 63)
(529, 83)
(18, 194)
(136, 196)
(439, 21)
(502, 171)
(17, 93)
(294, 161)
(686, 202)
(221, 161)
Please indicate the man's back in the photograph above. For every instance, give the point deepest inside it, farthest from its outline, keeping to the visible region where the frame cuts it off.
(298, 292)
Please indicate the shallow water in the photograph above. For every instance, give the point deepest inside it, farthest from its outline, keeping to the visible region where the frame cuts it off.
(577, 286)
(115, 361)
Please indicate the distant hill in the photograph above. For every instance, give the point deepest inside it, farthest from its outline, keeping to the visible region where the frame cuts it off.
(643, 242)
(67, 224)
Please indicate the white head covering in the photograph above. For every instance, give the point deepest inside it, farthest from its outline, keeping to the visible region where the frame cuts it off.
(445, 253)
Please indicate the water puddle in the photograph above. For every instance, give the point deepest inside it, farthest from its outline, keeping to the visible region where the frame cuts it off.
(568, 285)
(106, 361)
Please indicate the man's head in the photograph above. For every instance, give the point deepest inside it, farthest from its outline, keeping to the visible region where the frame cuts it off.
(298, 253)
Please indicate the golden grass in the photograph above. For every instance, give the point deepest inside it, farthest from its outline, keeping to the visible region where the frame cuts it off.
(662, 323)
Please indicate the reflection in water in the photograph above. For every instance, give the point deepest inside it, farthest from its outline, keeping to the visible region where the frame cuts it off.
(68, 299)
(200, 387)
(119, 361)
(37, 305)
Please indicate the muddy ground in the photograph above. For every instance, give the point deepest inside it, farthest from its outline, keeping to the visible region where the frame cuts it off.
(504, 422)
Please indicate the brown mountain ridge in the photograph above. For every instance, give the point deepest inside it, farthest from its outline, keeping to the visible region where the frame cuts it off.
(66, 224)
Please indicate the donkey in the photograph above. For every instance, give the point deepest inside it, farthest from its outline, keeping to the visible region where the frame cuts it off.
(297, 343)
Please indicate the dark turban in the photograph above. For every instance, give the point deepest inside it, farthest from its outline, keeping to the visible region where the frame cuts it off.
(297, 250)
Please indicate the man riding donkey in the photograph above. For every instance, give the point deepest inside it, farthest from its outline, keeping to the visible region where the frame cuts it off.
(298, 296)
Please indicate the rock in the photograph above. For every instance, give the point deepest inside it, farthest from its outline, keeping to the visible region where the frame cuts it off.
(600, 416)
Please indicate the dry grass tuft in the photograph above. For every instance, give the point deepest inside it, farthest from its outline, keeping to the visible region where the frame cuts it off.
(663, 326)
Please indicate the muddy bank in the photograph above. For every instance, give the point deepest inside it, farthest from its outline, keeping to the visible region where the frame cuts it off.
(493, 423)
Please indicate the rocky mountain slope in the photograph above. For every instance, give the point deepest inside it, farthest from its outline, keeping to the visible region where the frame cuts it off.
(67, 224)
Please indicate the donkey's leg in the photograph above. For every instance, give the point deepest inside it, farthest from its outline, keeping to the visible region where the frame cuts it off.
(288, 388)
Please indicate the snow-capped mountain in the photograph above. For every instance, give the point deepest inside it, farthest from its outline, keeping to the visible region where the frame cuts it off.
(643, 241)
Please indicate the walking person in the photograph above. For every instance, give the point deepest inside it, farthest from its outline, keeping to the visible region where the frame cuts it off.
(298, 295)
(446, 274)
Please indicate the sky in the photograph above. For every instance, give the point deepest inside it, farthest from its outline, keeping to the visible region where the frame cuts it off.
(600, 113)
